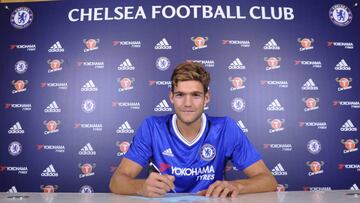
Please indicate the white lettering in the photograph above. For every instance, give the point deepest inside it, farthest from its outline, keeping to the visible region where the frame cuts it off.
(257, 12)
(187, 11)
(85, 175)
(279, 173)
(181, 11)
(49, 174)
(288, 13)
(88, 125)
(252, 12)
(100, 14)
(15, 168)
(83, 14)
(315, 173)
(172, 11)
(320, 188)
(54, 147)
(352, 166)
(207, 12)
(263, 14)
(71, 17)
(21, 105)
(195, 10)
(155, 11)
(124, 131)
(192, 171)
(349, 103)
(119, 14)
(87, 152)
(220, 12)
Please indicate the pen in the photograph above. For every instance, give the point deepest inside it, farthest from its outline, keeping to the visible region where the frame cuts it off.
(156, 168)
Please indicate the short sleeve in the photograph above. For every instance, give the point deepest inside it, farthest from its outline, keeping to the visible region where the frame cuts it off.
(243, 153)
(140, 150)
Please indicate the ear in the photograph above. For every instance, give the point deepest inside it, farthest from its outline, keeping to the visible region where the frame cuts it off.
(207, 98)
(171, 97)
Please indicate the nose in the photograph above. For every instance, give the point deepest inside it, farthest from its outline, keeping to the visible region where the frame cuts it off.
(187, 101)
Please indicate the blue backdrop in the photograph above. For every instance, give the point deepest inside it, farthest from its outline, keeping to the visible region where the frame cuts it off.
(77, 78)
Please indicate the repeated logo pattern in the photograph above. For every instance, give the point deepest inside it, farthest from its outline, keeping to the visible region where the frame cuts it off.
(296, 96)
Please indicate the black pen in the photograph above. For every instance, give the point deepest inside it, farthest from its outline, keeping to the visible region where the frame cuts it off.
(156, 168)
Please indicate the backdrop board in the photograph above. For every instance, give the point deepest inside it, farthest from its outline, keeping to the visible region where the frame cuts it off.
(78, 78)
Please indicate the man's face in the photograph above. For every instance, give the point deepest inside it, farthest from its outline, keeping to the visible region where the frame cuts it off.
(189, 101)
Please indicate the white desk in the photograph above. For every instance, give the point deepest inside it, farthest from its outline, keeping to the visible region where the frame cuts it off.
(271, 197)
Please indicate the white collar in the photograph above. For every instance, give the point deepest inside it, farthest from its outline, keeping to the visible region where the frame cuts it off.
(198, 136)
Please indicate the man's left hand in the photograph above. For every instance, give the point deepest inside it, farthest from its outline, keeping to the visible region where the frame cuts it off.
(221, 189)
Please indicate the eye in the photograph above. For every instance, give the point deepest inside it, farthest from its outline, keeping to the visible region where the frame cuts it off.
(196, 95)
(179, 94)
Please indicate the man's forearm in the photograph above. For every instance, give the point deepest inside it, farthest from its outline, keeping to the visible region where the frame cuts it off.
(259, 183)
(126, 185)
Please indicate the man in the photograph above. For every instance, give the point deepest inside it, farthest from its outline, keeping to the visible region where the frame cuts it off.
(190, 148)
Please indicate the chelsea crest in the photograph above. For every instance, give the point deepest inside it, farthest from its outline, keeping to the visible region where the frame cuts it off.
(207, 152)
(21, 17)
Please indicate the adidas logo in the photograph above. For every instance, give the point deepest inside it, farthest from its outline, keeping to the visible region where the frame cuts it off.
(236, 64)
(89, 87)
(279, 170)
(242, 126)
(168, 152)
(309, 85)
(52, 108)
(163, 106)
(12, 190)
(49, 172)
(354, 187)
(126, 65)
(271, 45)
(87, 150)
(275, 106)
(348, 126)
(16, 129)
(342, 65)
(125, 128)
(163, 44)
(56, 47)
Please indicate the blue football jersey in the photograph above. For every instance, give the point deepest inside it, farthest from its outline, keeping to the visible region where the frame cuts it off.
(197, 164)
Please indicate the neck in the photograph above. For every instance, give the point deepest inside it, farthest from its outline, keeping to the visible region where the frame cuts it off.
(189, 130)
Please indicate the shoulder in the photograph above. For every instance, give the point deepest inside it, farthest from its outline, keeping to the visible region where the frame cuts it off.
(226, 126)
(157, 120)
(220, 121)
(152, 124)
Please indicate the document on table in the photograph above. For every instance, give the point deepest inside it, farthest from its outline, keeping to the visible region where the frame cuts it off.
(175, 197)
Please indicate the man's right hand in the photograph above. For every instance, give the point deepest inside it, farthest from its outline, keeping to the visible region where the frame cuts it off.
(157, 185)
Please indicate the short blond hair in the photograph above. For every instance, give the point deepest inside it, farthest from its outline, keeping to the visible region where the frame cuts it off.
(190, 71)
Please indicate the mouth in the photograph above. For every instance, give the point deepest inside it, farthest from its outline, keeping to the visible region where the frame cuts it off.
(188, 111)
